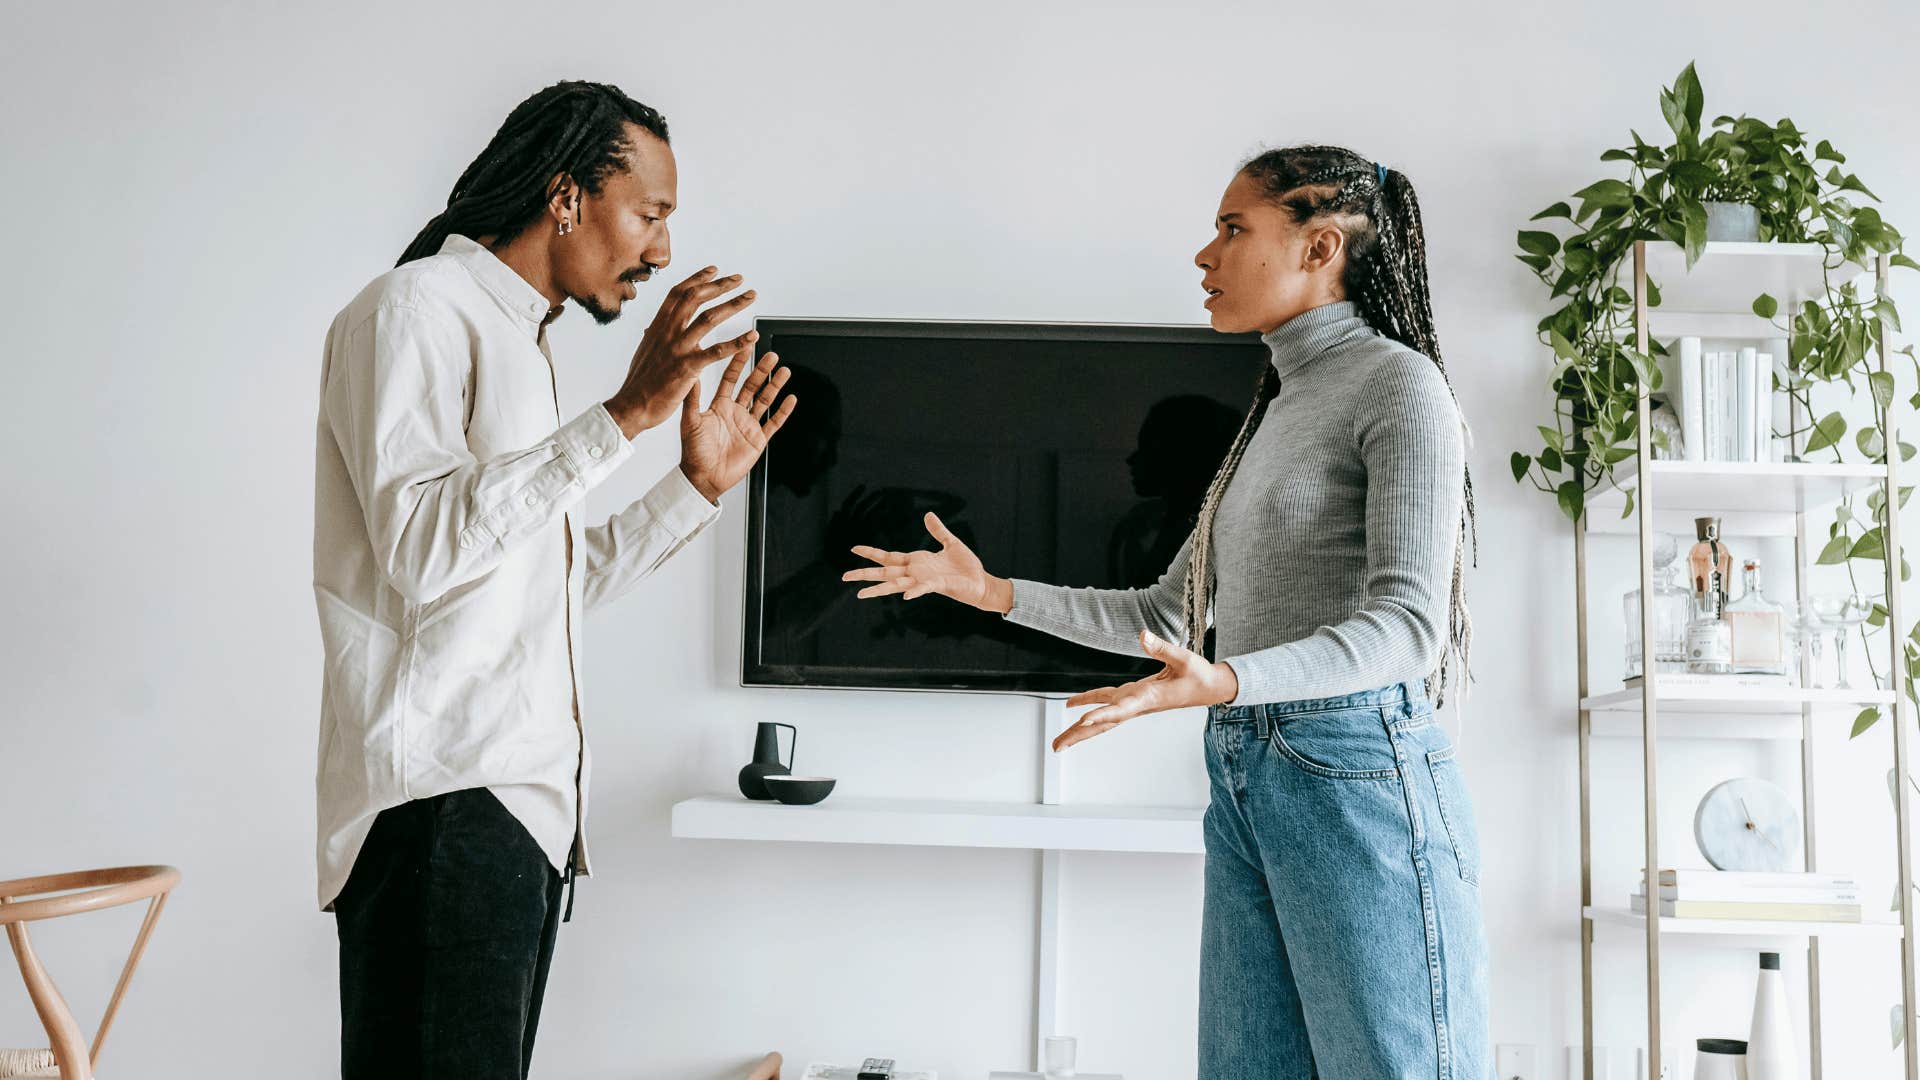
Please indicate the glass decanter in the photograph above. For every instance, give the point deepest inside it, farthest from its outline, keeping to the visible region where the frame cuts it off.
(1672, 610)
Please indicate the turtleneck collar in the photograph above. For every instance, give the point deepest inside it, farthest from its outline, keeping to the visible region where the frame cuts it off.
(1313, 332)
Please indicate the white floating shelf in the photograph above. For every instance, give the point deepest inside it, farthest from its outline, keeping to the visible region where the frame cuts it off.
(1730, 275)
(1753, 498)
(1622, 917)
(1694, 725)
(1741, 700)
(924, 823)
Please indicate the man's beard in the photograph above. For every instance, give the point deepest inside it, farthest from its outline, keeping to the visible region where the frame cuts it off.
(601, 313)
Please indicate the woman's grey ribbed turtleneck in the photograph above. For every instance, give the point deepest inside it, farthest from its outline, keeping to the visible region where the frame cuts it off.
(1333, 545)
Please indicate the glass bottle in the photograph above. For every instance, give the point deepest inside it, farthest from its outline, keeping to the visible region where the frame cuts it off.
(1709, 564)
(1758, 627)
(1672, 610)
(1709, 638)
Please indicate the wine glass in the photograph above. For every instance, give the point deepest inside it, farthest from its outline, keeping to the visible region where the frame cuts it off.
(1807, 630)
(1852, 613)
(1828, 610)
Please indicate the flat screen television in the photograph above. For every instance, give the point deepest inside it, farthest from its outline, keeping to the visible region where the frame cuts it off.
(1064, 453)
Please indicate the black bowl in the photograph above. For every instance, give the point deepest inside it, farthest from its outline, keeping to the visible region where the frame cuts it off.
(799, 790)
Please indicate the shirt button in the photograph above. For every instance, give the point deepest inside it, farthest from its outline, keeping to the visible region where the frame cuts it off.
(594, 451)
(533, 500)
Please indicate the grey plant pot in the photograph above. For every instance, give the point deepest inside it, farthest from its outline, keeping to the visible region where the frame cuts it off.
(1732, 221)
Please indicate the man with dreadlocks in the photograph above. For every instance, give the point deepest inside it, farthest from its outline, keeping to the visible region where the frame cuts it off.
(1342, 934)
(451, 567)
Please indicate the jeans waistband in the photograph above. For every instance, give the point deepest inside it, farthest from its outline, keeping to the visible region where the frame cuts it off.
(1412, 695)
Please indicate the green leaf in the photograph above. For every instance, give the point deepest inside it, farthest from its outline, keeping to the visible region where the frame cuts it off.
(1694, 217)
(1552, 435)
(1826, 152)
(1870, 442)
(1903, 260)
(1834, 553)
(1906, 451)
(1626, 511)
(1766, 306)
(1603, 193)
(1827, 432)
(1550, 459)
(1881, 383)
(1687, 89)
(1539, 243)
(1867, 718)
(1561, 346)
(1872, 545)
(1521, 463)
(1557, 210)
(1572, 498)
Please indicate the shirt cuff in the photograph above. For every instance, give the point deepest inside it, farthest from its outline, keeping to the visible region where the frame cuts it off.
(1276, 667)
(677, 504)
(593, 445)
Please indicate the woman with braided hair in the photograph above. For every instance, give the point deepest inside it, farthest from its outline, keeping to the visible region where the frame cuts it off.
(1342, 934)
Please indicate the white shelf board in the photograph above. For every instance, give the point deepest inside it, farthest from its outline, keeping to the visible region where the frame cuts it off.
(927, 823)
(1736, 700)
(1740, 928)
(1730, 275)
(1754, 498)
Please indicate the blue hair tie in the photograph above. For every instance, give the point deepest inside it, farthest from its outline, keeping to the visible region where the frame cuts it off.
(1380, 173)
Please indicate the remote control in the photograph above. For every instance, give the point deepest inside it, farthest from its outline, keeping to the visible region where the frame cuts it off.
(876, 1069)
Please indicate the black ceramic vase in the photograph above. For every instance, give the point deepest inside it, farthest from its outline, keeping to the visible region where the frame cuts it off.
(766, 760)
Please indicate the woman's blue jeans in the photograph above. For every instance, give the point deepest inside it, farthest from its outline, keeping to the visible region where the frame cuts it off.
(1342, 935)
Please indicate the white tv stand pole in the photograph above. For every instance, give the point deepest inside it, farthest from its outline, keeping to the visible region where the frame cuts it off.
(1046, 939)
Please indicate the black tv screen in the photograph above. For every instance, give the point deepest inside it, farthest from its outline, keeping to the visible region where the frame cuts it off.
(1070, 454)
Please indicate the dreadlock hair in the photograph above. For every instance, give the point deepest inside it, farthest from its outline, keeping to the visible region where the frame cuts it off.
(1386, 277)
(572, 129)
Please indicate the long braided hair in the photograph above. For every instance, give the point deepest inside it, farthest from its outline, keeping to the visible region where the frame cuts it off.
(576, 129)
(1386, 277)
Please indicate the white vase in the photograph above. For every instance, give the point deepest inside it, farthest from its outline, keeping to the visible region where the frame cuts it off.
(1772, 1051)
(1720, 1059)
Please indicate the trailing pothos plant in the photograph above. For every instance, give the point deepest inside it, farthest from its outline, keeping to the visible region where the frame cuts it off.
(1801, 195)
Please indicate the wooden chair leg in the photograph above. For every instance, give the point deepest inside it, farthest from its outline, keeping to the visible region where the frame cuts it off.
(69, 1045)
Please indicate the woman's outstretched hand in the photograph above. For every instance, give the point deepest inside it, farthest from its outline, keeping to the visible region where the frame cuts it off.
(1188, 679)
(954, 572)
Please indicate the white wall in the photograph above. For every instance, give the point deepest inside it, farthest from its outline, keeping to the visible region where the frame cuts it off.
(196, 188)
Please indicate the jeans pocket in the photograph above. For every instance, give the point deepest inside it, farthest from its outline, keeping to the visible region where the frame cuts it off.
(1338, 744)
(1456, 812)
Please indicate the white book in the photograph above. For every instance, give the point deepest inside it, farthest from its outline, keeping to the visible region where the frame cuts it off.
(1729, 406)
(1737, 894)
(1747, 442)
(1692, 679)
(1756, 879)
(1763, 406)
(1768, 912)
(1692, 413)
(1710, 406)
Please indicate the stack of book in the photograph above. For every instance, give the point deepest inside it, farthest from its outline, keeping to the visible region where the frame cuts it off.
(1726, 894)
(1724, 402)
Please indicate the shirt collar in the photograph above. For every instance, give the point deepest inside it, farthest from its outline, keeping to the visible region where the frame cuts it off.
(515, 294)
(1313, 332)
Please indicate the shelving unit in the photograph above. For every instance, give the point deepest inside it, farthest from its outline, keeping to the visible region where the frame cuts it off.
(1753, 499)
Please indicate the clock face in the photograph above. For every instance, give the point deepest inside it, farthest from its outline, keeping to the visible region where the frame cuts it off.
(1750, 825)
